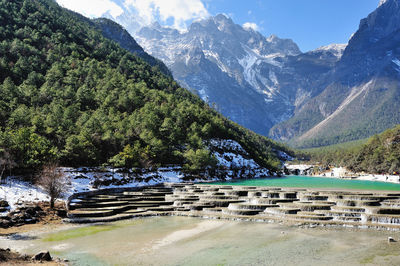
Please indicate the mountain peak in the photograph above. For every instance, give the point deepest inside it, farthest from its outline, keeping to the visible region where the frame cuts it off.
(222, 17)
(272, 38)
(382, 2)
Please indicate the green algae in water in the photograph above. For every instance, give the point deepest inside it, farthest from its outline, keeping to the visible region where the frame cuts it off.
(89, 230)
(172, 241)
(78, 232)
(314, 182)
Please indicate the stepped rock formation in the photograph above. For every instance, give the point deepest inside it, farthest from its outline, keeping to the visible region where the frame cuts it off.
(343, 208)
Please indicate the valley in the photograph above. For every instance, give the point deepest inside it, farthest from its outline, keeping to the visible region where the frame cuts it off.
(215, 142)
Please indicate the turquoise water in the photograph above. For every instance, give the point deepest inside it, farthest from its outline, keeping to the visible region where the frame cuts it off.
(191, 241)
(314, 182)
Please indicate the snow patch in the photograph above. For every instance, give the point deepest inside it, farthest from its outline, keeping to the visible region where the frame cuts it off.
(397, 63)
(16, 192)
(336, 49)
(231, 155)
(233, 160)
(213, 56)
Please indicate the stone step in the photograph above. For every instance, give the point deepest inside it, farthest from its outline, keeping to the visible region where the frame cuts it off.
(359, 203)
(348, 209)
(97, 204)
(217, 197)
(391, 203)
(313, 198)
(311, 207)
(347, 218)
(198, 207)
(94, 199)
(149, 202)
(288, 195)
(220, 203)
(312, 218)
(241, 212)
(252, 194)
(113, 218)
(238, 193)
(380, 218)
(341, 214)
(213, 210)
(158, 208)
(306, 213)
(180, 197)
(178, 203)
(134, 211)
(391, 211)
(282, 211)
(181, 209)
(270, 200)
(260, 207)
(270, 194)
(369, 197)
(91, 213)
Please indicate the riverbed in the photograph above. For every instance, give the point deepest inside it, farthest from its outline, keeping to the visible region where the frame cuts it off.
(193, 241)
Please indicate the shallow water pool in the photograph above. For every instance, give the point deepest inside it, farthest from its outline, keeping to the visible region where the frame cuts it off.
(314, 182)
(192, 241)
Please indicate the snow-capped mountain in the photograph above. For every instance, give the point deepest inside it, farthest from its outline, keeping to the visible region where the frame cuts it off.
(254, 80)
(361, 96)
(333, 94)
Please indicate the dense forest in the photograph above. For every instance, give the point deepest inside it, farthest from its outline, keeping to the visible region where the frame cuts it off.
(378, 154)
(70, 95)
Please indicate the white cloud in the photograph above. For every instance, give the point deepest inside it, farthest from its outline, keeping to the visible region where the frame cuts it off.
(179, 11)
(92, 8)
(251, 25)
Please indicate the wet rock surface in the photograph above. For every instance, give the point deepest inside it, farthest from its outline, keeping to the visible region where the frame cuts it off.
(22, 215)
(264, 204)
(43, 256)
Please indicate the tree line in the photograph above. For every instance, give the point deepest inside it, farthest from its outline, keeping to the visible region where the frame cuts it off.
(70, 95)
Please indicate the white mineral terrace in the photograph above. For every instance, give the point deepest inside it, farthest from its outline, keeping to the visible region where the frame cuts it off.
(342, 208)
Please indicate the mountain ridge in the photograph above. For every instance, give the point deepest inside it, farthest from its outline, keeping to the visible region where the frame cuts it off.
(229, 65)
(361, 93)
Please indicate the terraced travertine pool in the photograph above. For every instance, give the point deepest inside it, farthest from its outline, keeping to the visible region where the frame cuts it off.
(314, 182)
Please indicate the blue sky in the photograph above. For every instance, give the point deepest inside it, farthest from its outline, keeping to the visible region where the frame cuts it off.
(310, 23)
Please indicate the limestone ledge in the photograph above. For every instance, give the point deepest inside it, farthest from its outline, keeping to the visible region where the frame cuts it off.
(308, 207)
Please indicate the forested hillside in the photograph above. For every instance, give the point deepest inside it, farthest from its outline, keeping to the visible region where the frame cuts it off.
(69, 94)
(380, 154)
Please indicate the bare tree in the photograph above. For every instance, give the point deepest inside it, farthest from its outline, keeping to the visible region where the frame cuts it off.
(52, 180)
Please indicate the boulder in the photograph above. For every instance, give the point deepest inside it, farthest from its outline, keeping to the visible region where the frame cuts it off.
(43, 256)
(4, 204)
(391, 239)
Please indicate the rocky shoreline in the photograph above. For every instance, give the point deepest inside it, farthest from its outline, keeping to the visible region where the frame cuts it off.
(10, 257)
(32, 213)
(339, 172)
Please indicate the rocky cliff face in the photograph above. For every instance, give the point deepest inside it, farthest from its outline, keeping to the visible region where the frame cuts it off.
(361, 95)
(256, 81)
(117, 33)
